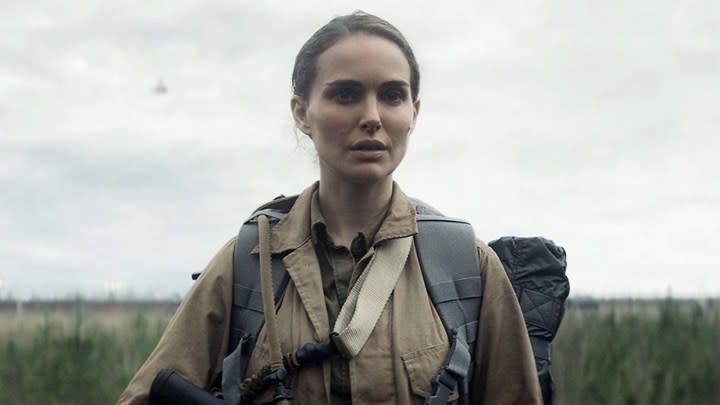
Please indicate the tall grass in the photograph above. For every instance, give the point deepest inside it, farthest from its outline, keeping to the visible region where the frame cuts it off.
(82, 364)
(629, 354)
(637, 355)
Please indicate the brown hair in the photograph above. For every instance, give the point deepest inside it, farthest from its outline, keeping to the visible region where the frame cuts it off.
(339, 27)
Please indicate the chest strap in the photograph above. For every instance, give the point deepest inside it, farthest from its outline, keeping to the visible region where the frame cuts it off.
(368, 297)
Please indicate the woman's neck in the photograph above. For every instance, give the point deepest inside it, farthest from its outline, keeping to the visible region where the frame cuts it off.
(350, 208)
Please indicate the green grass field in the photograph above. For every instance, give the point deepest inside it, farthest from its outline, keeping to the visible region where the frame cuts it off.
(619, 353)
(637, 353)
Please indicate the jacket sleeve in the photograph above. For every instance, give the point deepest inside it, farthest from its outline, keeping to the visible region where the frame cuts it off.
(196, 339)
(504, 365)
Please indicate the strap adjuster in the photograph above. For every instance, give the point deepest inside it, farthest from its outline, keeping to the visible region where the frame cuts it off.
(444, 384)
(277, 378)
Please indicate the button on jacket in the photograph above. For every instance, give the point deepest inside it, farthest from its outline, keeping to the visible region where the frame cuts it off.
(403, 353)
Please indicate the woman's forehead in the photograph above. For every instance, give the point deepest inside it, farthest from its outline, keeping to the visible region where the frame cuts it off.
(362, 57)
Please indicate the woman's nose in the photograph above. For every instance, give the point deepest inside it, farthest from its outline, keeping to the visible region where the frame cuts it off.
(370, 121)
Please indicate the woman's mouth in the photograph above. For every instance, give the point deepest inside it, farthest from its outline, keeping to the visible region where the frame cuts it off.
(368, 149)
(368, 145)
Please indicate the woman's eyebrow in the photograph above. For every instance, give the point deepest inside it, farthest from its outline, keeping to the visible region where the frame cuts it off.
(343, 82)
(351, 82)
(401, 83)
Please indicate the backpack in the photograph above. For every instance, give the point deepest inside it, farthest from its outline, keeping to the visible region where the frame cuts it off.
(449, 262)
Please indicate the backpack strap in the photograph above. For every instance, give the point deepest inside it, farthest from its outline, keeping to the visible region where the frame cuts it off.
(449, 261)
(247, 317)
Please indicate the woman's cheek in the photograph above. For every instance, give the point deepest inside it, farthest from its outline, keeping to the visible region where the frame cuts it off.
(328, 117)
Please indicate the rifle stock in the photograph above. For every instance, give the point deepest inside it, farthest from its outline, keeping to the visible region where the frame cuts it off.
(169, 388)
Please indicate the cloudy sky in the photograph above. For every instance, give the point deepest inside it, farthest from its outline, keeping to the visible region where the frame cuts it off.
(587, 122)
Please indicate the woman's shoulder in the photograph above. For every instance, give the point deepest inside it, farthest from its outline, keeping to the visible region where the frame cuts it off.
(487, 255)
(219, 269)
(495, 280)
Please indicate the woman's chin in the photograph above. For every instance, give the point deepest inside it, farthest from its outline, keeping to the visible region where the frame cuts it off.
(368, 175)
(360, 173)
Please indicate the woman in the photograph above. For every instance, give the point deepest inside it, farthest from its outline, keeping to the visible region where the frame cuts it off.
(355, 85)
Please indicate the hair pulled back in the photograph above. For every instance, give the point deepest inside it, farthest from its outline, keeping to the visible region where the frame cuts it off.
(339, 27)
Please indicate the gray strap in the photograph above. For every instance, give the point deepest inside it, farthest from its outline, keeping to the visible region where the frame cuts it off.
(449, 260)
(268, 213)
(234, 366)
(450, 265)
(458, 289)
(247, 313)
(453, 372)
(541, 348)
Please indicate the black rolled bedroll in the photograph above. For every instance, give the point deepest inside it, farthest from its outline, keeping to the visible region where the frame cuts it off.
(536, 268)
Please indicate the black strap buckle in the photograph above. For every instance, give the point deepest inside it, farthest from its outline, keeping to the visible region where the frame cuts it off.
(277, 378)
(444, 384)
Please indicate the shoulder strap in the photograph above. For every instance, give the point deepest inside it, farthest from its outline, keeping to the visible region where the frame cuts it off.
(450, 265)
(247, 310)
(449, 261)
(247, 317)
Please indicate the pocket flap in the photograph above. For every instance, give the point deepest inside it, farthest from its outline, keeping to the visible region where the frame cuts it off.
(422, 366)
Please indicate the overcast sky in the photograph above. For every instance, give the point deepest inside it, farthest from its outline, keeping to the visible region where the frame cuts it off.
(590, 123)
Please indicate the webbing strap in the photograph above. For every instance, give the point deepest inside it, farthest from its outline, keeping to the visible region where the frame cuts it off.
(453, 372)
(247, 296)
(541, 348)
(247, 310)
(369, 295)
(450, 265)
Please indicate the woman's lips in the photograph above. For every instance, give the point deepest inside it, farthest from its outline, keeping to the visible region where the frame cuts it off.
(368, 149)
(367, 154)
(368, 144)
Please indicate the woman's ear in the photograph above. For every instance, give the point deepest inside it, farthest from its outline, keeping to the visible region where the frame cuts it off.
(298, 107)
(416, 111)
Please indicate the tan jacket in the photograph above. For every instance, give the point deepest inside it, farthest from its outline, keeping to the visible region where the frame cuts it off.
(402, 355)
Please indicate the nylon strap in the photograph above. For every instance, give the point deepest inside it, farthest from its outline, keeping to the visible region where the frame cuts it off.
(369, 295)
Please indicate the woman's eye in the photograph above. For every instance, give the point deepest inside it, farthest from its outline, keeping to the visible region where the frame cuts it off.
(345, 96)
(395, 96)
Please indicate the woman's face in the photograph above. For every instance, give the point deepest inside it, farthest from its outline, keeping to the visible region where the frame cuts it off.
(360, 112)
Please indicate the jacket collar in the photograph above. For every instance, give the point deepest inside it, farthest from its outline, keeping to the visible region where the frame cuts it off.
(294, 229)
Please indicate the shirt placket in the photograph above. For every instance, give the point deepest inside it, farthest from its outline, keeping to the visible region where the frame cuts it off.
(345, 270)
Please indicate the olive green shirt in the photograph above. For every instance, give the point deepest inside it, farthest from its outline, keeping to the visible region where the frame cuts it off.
(339, 268)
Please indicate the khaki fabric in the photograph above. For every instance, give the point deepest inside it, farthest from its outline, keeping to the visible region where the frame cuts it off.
(403, 353)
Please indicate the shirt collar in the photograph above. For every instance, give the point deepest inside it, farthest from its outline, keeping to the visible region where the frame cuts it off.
(318, 227)
(296, 229)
